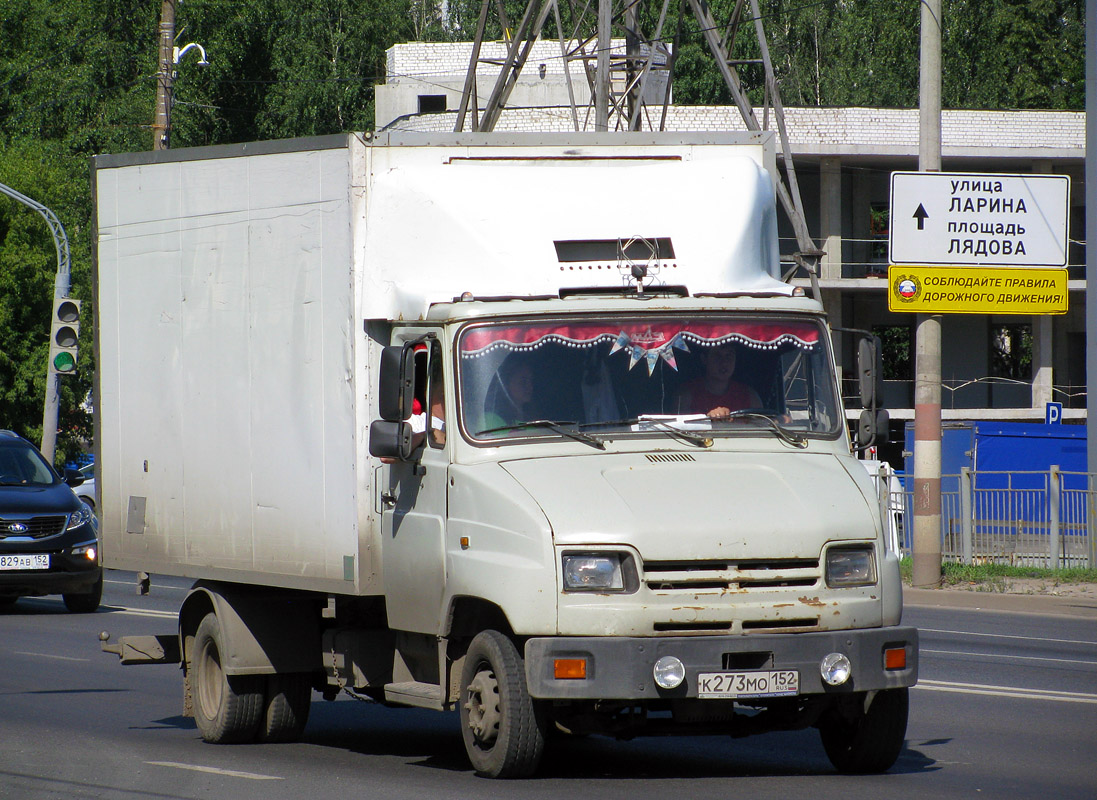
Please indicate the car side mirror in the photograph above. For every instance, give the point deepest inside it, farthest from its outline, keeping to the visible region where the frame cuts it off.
(389, 439)
(396, 382)
(870, 371)
(873, 427)
(73, 477)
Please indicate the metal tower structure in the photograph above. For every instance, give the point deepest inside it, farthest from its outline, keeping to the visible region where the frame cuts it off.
(629, 87)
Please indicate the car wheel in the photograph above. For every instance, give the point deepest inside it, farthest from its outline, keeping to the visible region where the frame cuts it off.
(287, 701)
(227, 708)
(503, 733)
(86, 602)
(861, 740)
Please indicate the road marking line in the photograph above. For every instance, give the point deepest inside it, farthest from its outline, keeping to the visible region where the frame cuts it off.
(1009, 656)
(48, 655)
(215, 771)
(142, 612)
(1007, 691)
(1008, 636)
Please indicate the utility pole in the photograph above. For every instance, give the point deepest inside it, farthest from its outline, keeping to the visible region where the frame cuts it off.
(161, 126)
(927, 383)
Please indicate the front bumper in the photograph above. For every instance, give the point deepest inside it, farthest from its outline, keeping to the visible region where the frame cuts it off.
(68, 573)
(620, 668)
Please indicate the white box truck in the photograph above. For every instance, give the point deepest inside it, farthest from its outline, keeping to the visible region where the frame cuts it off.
(526, 427)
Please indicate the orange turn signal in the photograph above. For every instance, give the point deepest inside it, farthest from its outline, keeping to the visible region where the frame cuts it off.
(895, 658)
(570, 668)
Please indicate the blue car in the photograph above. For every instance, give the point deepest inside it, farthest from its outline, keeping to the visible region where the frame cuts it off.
(49, 540)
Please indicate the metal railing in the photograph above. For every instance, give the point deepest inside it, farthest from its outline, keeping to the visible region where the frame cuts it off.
(1033, 519)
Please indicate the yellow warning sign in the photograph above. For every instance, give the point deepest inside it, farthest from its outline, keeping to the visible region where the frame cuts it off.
(977, 290)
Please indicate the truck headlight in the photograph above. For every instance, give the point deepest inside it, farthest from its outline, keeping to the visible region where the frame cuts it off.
(851, 566)
(598, 572)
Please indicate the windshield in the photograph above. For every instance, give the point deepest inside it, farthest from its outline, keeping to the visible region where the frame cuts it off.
(718, 375)
(21, 465)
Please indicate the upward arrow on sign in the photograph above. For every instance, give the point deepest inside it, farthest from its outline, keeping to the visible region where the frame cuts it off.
(920, 214)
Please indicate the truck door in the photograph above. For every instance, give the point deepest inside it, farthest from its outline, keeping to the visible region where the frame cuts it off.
(413, 508)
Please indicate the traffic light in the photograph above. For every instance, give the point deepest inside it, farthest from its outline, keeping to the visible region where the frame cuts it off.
(65, 335)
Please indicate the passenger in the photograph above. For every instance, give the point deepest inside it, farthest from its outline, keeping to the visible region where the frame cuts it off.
(510, 398)
(715, 393)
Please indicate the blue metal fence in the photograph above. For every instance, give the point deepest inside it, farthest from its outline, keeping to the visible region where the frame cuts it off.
(1038, 519)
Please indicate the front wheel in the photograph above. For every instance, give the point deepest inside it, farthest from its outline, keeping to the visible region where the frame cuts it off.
(860, 740)
(502, 730)
(226, 708)
(86, 602)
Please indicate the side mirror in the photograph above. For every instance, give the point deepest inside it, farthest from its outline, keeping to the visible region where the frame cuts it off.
(396, 383)
(873, 428)
(389, 439)
(73, 477)
(870, 370)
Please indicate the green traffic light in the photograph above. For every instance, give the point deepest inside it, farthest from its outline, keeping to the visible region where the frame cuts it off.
(64, 362)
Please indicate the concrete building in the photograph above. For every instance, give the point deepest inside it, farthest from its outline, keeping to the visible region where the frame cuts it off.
(994, 367)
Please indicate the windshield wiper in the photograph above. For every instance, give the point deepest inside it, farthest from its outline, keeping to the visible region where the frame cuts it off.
(659, 424)
(555, 427)
(783, 433)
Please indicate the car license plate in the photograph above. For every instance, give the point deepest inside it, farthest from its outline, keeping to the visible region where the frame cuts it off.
(762, 683)
(37, 561)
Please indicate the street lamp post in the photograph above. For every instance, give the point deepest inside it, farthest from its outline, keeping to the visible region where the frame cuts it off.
(61, 287)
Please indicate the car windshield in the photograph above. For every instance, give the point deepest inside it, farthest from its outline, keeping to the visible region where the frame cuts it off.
(679, 376)
(21, 465)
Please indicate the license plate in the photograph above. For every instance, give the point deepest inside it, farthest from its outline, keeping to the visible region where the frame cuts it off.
(762, 683)
(38, 561)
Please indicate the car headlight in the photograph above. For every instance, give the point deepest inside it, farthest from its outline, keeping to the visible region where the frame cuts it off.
(851, 566)
(81, 517)
(598, 572)
(88, 551)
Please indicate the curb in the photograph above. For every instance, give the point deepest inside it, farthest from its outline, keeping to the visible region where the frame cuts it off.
(1046, 605)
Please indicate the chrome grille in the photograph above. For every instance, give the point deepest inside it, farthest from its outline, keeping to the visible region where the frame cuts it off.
(34, 527)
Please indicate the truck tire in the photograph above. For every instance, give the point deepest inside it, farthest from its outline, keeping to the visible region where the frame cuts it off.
(286, 707)
(227, 708)
(867, 741)
(86, 602)
(502, 730)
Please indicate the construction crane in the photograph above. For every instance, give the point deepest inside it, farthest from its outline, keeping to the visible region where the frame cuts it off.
(631, 90)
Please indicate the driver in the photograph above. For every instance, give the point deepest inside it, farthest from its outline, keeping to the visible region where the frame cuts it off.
(716, 393)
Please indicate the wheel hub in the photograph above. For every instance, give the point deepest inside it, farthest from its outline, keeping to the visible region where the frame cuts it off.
(482, 705)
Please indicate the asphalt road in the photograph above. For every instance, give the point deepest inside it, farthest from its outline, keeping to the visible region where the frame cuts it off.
(1006, 708)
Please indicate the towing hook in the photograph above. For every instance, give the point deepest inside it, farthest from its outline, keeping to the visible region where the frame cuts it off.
(106, 647)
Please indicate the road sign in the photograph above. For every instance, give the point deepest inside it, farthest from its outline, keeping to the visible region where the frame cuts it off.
(976, 290)
(1053, 414)
(959, 219)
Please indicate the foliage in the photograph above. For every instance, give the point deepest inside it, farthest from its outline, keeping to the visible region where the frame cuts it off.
(953, 574)
(1007, 54)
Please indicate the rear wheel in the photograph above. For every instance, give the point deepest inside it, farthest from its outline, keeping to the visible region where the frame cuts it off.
(227, 708)
(860, 740)
(286, 707)
(502, 731)
(87, 602)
